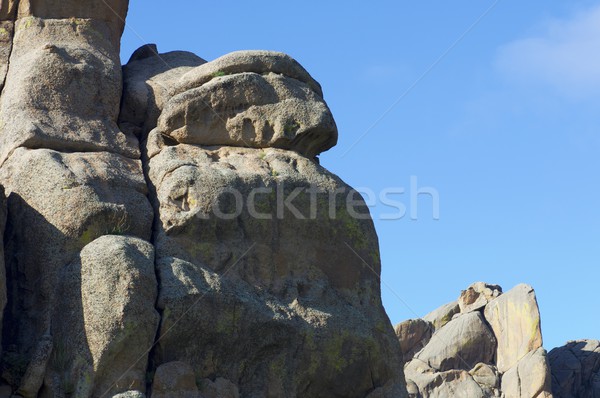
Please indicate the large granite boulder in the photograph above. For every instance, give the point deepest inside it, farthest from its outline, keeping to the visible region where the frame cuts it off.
(255, 99)
(461, 344)
(282, 324)
(529, 377)
(576, 369)
(515, 320)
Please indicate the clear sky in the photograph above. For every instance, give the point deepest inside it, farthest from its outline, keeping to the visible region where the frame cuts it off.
(499, 112)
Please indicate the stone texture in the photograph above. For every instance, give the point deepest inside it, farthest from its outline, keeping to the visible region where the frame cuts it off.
(63, 90)
(300, 325)
(477, 296)
(238, 302)
(452, 383)
(112, 13)
(515, 320)
(465, 358)
(220, 388)
(255, 108)
(486, 375)
(413, 335)
(259, 62)
(149, 78)
(6, 37)
(530, 377)
(106, 321)
(461, 344)
(175, 379)
(441, 316)
(576, 369)
(58, 203)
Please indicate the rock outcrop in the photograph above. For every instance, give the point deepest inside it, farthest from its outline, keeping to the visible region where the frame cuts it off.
(576, 369)
(170, 231)
(487, 344)
(230, 221)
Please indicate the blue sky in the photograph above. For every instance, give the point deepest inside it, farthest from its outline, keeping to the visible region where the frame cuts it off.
(505, 126)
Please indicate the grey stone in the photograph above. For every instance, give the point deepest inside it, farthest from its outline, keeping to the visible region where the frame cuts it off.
(529, 378)
(175, 379)
(442, 315)
(251, 110)
(413, 335)
(149, 78)
(461, 344)
(452, 383)
(259, 62)
(576, 369)
(63, 90)
(477, 296)
(515, 320)
(310, 324)
(106, 322)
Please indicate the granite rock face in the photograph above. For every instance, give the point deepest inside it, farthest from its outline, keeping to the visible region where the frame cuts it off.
(487, 344)
(169, 230)
(576, 369)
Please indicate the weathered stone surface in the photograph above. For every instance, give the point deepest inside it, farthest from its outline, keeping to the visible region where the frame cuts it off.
(259, 62)
(486, 375)
(112, 13)
(529, 378)
(461, 344)
(36, 368)
(441, 316)
(220, 388)
(576, 369)
(58, 203)
(6, 37)
(175, 379)
(250, 109)
(413, 335)
(149, 78)
(63, 90)
(452, 383)
(477, 296)
(106, 322)
(300, 325)
(515, 320)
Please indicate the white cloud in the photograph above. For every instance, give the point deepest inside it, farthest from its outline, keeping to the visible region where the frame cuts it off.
(565, 56)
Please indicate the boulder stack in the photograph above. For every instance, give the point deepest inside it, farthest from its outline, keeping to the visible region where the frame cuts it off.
(486, 344)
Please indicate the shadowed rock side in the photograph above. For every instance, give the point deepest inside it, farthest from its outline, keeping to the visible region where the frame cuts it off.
(576, 369)
(486, 344)
(80, 307)
(271, 299)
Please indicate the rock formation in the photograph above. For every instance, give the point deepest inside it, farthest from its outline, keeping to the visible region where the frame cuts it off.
(486, 344)
(170, 232)
(576, 369)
